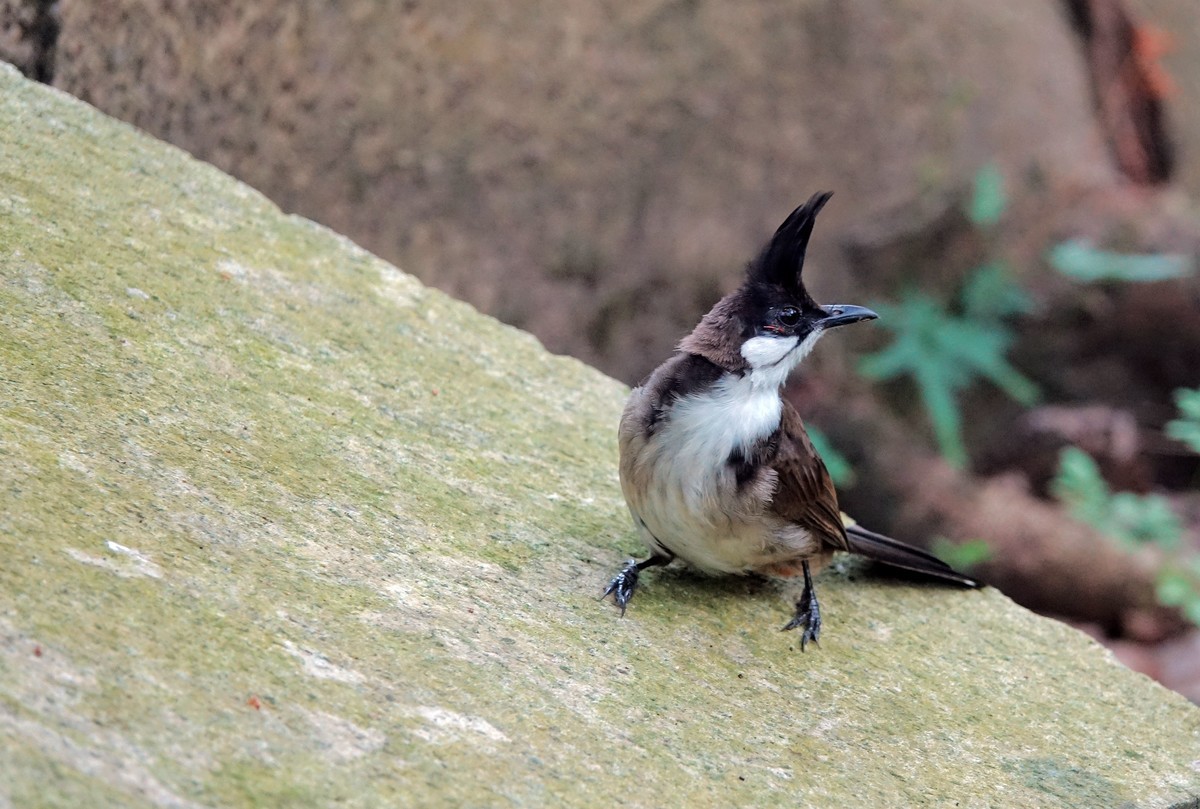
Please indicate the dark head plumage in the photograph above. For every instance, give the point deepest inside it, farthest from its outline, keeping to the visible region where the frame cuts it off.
(781, 262)
(772, 302)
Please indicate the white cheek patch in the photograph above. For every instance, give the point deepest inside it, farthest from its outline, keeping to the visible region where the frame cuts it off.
(763, 350)
(771, 359)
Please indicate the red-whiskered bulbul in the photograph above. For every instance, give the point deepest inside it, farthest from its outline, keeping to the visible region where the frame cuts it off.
(716, 466)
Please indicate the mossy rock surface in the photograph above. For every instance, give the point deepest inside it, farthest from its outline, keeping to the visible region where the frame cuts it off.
(280, 526)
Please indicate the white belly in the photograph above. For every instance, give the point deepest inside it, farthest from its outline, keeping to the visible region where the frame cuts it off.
(683, 493)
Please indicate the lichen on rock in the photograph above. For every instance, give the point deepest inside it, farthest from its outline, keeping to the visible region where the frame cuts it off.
(280, 526)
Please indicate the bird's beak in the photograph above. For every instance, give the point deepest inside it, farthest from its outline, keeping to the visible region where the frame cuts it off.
(843, 314)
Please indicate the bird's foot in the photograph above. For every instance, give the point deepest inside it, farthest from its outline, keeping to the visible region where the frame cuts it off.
(807, 619)
(623, 584)
(808, 613)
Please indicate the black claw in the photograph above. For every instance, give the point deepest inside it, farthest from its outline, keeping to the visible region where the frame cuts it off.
(808, 613)
(807, 618)
(623, 584)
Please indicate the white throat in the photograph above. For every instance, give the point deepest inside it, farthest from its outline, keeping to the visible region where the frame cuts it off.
(739, 410)
(772, 359)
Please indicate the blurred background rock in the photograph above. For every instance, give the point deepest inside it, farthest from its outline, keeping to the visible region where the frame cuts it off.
(598, 174)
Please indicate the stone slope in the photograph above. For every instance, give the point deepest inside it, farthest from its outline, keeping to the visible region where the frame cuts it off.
(279, 526)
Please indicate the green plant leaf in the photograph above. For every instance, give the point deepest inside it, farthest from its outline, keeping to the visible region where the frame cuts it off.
(1185, 432)
(1141, 519)
(991, 294)
(937, 392)
(1080, 486)
(904, 354)
(1173, 587)
(1128, 518)
(963, 555)
(1186, 428)
(1188, 402)
(944, 353)
(979, 349)
(1079, 259)
(988, 199)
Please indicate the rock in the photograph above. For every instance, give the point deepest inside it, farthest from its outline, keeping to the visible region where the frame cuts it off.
(280, 526)
(26, 28)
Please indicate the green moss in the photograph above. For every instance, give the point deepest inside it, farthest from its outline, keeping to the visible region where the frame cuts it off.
(280, 526)
(34, 779)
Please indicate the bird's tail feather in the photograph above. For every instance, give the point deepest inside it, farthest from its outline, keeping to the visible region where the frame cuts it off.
(899, 554)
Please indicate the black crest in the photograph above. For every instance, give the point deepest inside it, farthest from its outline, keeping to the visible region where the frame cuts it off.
(782, 260)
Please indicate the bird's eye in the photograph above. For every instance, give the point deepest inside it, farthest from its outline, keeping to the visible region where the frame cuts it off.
(788, 316)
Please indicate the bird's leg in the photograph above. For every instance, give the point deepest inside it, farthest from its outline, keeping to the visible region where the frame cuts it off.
(808, 612)
(624, 583)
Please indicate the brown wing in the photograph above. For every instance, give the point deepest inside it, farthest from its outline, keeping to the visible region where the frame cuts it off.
(805, 493)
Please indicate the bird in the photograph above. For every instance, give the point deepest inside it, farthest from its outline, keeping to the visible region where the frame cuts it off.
(716, 465)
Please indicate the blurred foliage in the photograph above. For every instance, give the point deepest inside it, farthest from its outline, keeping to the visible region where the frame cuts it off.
(988, 199)
(962, 555)
(1131, 519)
(1186, 428)
(945, 348)
(946, 351)
(1134, 521)
(1178, 585)
(990, 295)
(835, 462)
(1080, 260)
